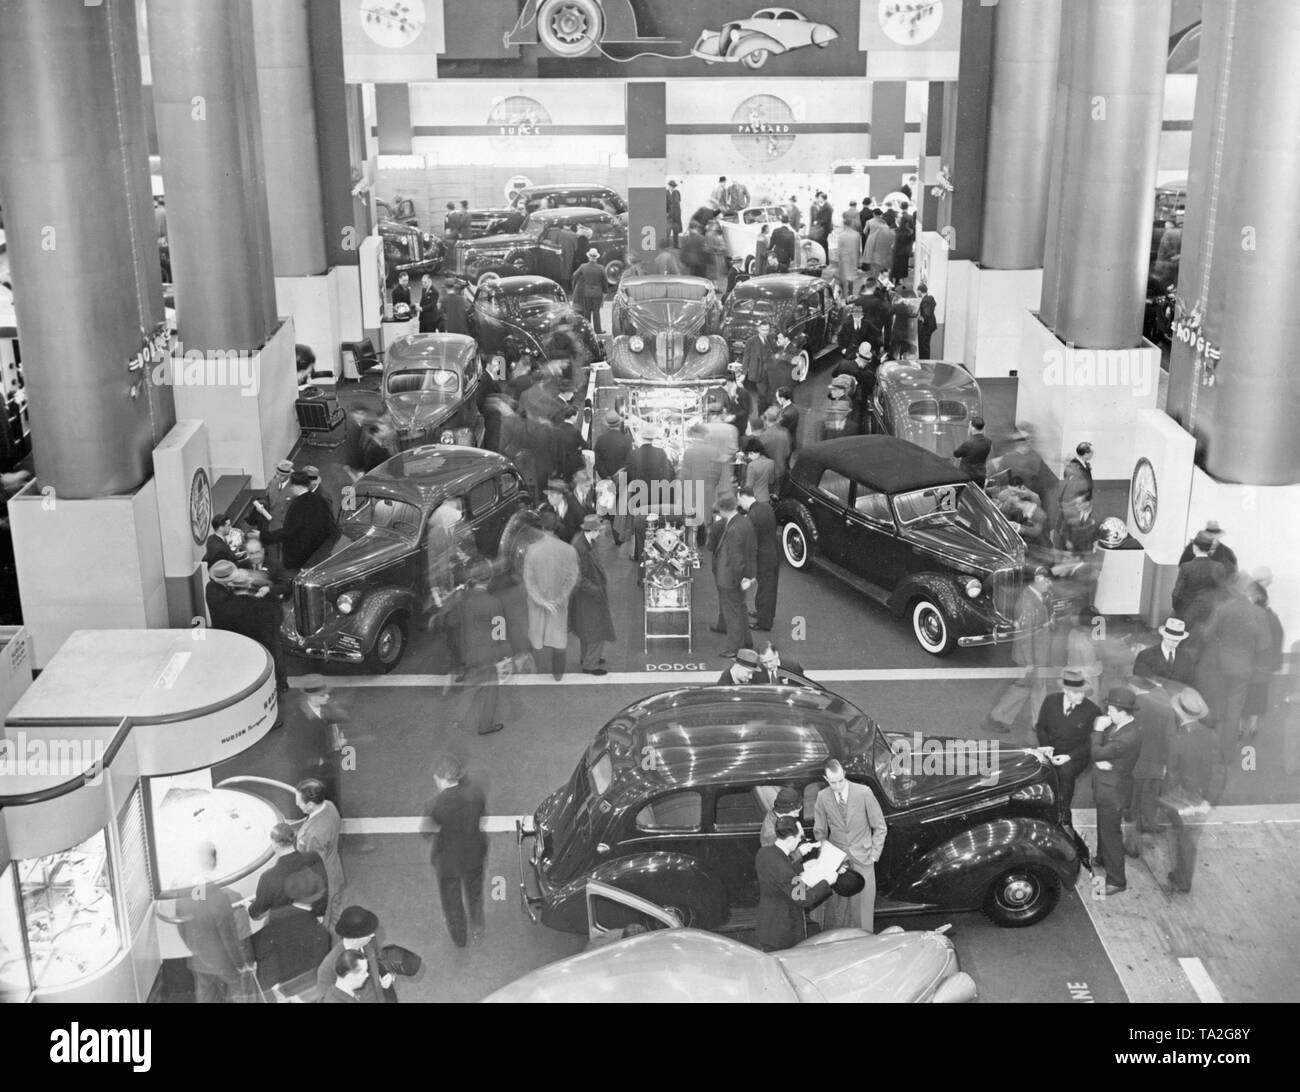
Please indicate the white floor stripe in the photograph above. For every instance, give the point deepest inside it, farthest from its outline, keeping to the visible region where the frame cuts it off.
(1229, 815)
(698, 678)
(414, 824)
(1200, 980)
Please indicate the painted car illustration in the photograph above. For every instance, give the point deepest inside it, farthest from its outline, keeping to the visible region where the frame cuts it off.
(767, 32)
(575, 28)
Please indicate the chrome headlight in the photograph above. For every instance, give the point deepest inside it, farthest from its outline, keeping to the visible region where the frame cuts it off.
(347, 601)
(701, 344)
(448, 437)
(973, 588)
(636, 344)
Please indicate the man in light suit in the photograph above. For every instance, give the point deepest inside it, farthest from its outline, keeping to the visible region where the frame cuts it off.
(1032, 651)
(847, 815)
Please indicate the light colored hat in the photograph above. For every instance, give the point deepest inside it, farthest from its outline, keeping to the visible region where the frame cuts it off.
(651, 432)
(1213, 527)
(612, 418)
(1188, 704)
(870, 353)
(593, 254)
(1263, 576)
(1073, 677)
(223, 572)
(313, 684)
(285, 466)
(1174, 629)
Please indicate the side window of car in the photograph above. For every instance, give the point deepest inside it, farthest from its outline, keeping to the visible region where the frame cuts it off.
(481, 497)
(872, 504)
(835, 486)
(509, 484)
(676, 811)
(738, 810)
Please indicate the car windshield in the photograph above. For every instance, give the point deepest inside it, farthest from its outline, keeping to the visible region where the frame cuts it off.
(382, 513)
(440, 382)
(533, 226)
(756, 308)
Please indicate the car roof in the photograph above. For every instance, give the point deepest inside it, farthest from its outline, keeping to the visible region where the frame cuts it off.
(696, 740)
(428, 473)
(567, 187)
(885, 463)
(569, 214)
(520, 286)
(429, 351)
(777, 285)
(927, 375)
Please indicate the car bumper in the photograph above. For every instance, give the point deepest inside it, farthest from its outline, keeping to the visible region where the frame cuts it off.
(331, 647)
(529, 876)
(1000, 635)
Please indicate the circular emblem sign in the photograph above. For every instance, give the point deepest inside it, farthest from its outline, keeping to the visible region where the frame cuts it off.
(1143, 497)
(392, 25)
(518, 121)
(200, 507)
(764, 128)
(910, 22)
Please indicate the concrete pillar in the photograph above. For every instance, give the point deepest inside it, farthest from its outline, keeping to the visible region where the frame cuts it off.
(965, 124)
(288, 118)
(1026, 50)
(209, 134)
(1240, 268)
(1103, 181)
(74, 178)
(647, 178)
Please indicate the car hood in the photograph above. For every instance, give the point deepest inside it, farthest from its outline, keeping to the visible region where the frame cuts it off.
(420, 409)
(497, 242)
(355, 557)
(650, 317)
(966, 551)
(853, 966)
(925, 769)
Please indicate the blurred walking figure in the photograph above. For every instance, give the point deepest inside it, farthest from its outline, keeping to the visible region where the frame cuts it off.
(459, 848)
(589, 288)
(472, 626)
(1269, 663)
(1032, 650)
(846, 249)
(550, 575)
(1193, 756)
(320, 834)
(218, 956)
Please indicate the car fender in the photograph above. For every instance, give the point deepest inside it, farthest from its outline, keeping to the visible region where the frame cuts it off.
(935, 586)
(664, 877)
(956, 874)
(751, 41)
(375, 608)
(790, 510)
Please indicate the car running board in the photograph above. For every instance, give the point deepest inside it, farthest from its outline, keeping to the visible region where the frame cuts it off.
(852, 579)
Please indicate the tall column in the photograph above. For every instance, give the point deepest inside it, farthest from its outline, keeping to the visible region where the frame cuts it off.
(647, 178)
(965, 120)
(1103, 181)
(1240, 268)
(74, 179)
(209, 134)
(288, 119)
(1026, 49)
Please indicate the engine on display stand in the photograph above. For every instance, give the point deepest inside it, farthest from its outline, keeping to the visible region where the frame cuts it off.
(665, 413)
(668, 566)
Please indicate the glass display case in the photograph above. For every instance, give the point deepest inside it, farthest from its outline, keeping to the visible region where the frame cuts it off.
(15, 978)
(68, 915)
(186, 811)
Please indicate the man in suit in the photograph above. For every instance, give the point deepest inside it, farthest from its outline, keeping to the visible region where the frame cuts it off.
(459, 848)
(760, 471)
(402, 290)
(308, 525)
(649, 478)
(862, 370)
(1200, 581)
(776, 441)
(767, 557)
(430, 312)
(699, 475)
(292, 942)
(674, 198)
(782, 895)
(271, 892)
(735, 567)
(785, 244)
(217, 548)
(1155, 720)
(926, 323)
(1169, 658)
(848, 816)
(568, 512)
(788, 415)
(1189, 782)
(589, 615)
(1064, 724)
(973, 454)
(789, 803)
(758, 354)
(736, 402)
(612, 449)
(207, 926)
(589, 288)
(347, 977)
(1076, 480)
(1032, 650)
(356, 929)
(266, 571)
(1116, 743)
(743, 671)
(472, 626)
(271, 507)
(775, 666)
(219, 594)
(1217, 551)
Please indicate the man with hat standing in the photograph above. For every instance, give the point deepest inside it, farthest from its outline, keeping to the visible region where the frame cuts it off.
(568, 512)
(699, 476)
(757, 357)
(649, 478)
(272, 505)
(1217, 551)
(788, 803)
(862, 370)
(1193, 758)
(1116, 742)
(550, 575)
(836, 415)
(735, 402)
(612, 449)
(292, 941)
(308, 524)
(735, 561)
(1155, 722)
(1200, 580)
(673, 198)
(1064, 728)
(767, 543)
(356, 929)
(742, 669)
(1168, 659)
(271, 892)
(219, 594)
(589, 615)
(589, 288)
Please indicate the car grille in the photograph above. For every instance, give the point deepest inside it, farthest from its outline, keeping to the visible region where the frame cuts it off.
(308, 608)
(1007, 585)
(668, 351)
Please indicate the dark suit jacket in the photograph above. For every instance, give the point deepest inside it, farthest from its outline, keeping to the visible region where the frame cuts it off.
(736, 408)
(1120, 747)
(369, 993)
(1202, 576)
(766, 678)
(767, 543)
(648, 463)
(784, 244)
(974, 455)
(270, 884)
(1150, 664)
(292, 942)
(781, 921)
(612, 450)
(472, 620)
(589, 615)
(459, 845)
(571, 522)
(735, 551)
(1070, 734)
(308, 525)
(1236, 638)
(207, 926)
(217, 549)
(1221, 553)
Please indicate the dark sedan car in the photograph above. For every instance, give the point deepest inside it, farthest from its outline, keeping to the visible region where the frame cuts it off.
(428, 389)
(507, 220)
(803, 308)
(536, 248)
(357, 605)
(516, 315)
(909, 530)
(666, 331)
(407, 249)
(668, 800)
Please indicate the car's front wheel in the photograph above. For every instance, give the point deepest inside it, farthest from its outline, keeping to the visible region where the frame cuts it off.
(1022, 896)
(756, 59)
(614, 269)
(390, 644)
(795, 545)
(932, 628)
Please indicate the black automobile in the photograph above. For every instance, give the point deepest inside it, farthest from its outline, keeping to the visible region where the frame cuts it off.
(536, 248)
(909, 530)
(668, 800)
(803, 308)
(358, 604)
(428, 388)
(407, 249)
(515, 315)
(507, 220)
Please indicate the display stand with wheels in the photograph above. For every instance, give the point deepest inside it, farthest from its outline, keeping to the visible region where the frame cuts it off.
(668, 571)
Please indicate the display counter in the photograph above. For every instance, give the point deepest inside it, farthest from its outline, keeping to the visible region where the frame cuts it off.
(107, 794)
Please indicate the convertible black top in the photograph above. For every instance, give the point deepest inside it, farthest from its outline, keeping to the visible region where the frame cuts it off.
(885, 463)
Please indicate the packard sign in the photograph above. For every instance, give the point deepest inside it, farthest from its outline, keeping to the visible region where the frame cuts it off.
(764, 128)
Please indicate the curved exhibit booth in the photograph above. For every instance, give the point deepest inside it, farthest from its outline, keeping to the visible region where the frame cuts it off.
(115, 768)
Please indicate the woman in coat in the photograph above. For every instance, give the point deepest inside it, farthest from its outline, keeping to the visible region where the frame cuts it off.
(320, 834)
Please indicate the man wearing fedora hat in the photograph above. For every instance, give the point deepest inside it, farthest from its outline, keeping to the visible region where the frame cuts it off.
(1170, 658)
(569, 513)
(356, 929)
(1200, 580)
(308, 523)
(862, 370)
(1155, 721)
(589, 288)
(1217, 550)
(1116, 742)
(649, 475)
(1193, 757)
(612, 449)
(741, 670)
(735, 403)
(589, 615)
(1064, 726)
(293, 941)
(788, 802)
